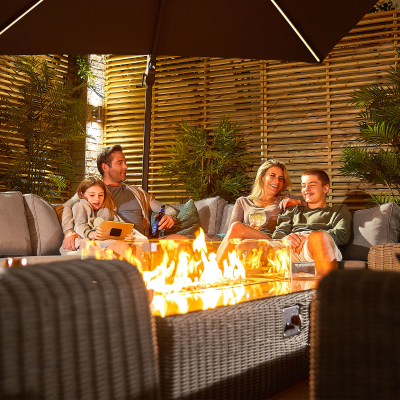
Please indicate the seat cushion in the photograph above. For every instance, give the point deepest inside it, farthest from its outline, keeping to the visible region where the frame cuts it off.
(44, 226)
(372, 226)
(15, 239)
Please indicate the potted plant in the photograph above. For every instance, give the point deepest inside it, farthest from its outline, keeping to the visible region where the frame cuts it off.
(40, 121)
(210, 163)
(376, 159)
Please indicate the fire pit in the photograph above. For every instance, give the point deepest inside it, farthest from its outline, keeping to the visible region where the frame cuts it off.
(243, 350)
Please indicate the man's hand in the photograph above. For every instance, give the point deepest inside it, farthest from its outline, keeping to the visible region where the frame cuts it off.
(69, 242)
(285, 203)
(297, 241)
(129, 238)
(166, 222)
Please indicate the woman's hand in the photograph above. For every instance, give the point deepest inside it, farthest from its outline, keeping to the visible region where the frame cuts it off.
(253, 225)
(285, 203)
(96, 235)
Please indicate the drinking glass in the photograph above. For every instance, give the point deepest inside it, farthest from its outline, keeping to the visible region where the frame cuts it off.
(257, 217)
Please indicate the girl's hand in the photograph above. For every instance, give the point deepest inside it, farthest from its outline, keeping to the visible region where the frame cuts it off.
(129, 238)
(96, 235)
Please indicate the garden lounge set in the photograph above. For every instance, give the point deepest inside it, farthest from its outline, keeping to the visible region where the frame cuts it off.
(76, 328)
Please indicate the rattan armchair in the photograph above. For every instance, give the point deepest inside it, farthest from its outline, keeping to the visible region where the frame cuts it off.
(76, 330)
(382, 257)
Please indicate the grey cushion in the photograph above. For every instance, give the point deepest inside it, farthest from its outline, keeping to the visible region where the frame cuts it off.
(14, 233)
(226, 216)
(210, 212)
(188, 221)
(44, 227)
(378, 225)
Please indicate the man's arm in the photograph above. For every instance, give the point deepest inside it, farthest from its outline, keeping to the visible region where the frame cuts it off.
(68, 224)
(341, 226)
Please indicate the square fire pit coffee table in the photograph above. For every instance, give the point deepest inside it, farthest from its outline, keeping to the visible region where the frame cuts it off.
(233, 352)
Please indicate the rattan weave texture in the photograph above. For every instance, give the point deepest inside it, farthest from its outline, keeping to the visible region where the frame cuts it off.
(76, 330)
(355, 347)
(233, 352)
(382, 257)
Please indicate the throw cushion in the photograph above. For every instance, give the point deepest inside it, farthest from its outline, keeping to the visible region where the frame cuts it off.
(44, 226)
(378, 225)
(188, 221)
(15, 239)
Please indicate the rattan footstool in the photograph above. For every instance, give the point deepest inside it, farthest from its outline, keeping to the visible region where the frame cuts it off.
(233, 352)
(382, 257)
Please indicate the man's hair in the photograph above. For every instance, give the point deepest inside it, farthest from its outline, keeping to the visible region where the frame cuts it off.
(106, 157)
(322, 175)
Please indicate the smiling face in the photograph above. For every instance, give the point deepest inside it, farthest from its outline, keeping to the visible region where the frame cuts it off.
(273, 181)
(313, 191)
(95, 196)
(115, 174)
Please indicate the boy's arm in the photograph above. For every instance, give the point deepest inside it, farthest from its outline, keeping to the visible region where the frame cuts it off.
(284, 223)
(341, 226)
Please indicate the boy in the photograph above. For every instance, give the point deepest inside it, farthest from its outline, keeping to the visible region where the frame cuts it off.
(317, 230)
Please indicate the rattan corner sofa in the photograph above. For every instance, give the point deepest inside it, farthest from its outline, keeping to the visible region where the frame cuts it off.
(30, 227)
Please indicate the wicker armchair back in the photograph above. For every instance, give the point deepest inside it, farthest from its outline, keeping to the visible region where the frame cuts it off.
(76, 330)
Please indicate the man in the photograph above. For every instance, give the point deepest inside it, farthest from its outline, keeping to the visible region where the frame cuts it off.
(134, 205)
(315, 231)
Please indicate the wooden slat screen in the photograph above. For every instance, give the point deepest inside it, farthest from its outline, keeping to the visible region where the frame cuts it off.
(8, 85)
(296, 112)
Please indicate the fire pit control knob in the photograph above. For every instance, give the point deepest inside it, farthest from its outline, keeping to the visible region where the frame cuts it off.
(296, 320)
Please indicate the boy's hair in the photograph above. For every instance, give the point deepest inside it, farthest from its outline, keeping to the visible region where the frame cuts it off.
(106, 157)
(322, 175)
(257, 190)
(93, 181)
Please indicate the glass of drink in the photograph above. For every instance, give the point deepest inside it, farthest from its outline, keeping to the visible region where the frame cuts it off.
(257, 217)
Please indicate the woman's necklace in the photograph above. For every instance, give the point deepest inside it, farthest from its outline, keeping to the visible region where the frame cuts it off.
(264, 202)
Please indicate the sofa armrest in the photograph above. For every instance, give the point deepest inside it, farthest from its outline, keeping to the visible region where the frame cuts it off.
(382, 257)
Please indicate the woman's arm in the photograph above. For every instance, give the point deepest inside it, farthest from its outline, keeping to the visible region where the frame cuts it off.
(237, 212)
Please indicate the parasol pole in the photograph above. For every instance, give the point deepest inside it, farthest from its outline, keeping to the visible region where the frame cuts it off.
(149, 77)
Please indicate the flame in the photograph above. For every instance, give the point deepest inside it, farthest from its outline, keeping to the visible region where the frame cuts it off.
(188, 278)
(184, 276)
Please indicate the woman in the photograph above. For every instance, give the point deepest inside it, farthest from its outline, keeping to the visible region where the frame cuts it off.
(269, 195)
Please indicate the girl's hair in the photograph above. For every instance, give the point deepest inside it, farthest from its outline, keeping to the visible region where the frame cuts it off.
(93, 181)
(257, 190)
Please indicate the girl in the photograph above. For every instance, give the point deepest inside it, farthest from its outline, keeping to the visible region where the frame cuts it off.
(94, 206)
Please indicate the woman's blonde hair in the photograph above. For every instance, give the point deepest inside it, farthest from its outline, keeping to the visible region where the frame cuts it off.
(257, 190)
(93, 181)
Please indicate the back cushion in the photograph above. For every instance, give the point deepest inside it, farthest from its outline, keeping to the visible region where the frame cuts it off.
(378, 225)
(14, 233)
(226, 216)
(45, 229)
(210, 212)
